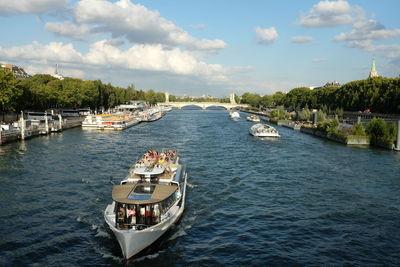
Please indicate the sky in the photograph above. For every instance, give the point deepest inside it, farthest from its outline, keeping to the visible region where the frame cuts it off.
(203, 47)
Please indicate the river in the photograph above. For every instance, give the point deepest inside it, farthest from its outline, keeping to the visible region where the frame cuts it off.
(297, 200)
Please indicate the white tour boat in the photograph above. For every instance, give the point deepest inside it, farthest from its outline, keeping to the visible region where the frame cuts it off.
(263, 130)
(148, 201)
(234, 115)
(253, 118)
(153, 114)
(119, 122)
(111, 121)
(95, 121)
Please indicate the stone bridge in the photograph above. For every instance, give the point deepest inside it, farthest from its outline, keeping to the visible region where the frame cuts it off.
(204, 105)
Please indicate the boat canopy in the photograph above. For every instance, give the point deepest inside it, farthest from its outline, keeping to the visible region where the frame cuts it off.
(142, 193)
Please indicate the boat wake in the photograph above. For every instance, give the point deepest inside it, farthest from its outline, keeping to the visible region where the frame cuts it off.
(101, 233)
(106, 255)
(149, 256)
(191, 185)
(86, 181)
(179, 233)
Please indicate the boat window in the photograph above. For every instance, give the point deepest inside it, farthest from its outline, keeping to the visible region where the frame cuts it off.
(144, 189)
(142, 192)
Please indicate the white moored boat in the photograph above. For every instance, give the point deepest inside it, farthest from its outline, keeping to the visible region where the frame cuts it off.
(263, 130)
(234, 115)
(111, 121)
(253, 118)
(148, 202)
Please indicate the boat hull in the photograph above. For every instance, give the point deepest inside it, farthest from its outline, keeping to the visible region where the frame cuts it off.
(134, 241)
(265, 135)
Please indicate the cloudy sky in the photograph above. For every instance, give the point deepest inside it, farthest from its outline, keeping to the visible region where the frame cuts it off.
(203, 47)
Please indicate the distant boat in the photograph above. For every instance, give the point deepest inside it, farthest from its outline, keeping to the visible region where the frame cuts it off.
(153, 114)
(148, 201)
(253, 118)
(110, 121)
(234, 115)
(263, 130)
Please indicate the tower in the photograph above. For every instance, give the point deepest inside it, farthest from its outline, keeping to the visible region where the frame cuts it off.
(373, 72)
(166, 97)
(232, 98)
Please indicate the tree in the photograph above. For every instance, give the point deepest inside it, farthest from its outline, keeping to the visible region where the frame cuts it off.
(380, 133)
(297, 97)
(304, 115)
(277, 98)
(358, 129)
(10, 92)
(266, 101)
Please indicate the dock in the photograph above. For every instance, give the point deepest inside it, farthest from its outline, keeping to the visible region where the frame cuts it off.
(26, 129)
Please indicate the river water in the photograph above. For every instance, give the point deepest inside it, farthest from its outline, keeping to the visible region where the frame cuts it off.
(297, 200)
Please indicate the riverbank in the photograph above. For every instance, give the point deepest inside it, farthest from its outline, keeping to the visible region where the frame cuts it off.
(349, 140)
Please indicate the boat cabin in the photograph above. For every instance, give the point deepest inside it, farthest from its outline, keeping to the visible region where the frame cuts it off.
(141, 205)
(149, 191)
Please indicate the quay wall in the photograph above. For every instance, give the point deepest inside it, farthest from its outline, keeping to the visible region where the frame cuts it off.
(350, 140)
(31, 131)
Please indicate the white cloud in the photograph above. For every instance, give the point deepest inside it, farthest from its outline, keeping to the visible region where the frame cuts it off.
(368, 30)
(135, 22)
(53, 52)
(266, 36)
(68, 29)
(330, 13)
(115, 42)
(364, 35)
(388, 51)
(301, 39)
(30, 6)
(66, 70)
(318, 60)
(153, 58)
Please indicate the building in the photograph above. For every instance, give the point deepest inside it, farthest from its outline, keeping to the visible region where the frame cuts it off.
(18, 72)
(373, 72)
(328, 84)
(232, 98)
(57, 75)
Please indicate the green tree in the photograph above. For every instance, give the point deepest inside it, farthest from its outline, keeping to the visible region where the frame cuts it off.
(380, 133)
(358, 129)
(10, 92)
(297, 97)
(304, 115)
(277, 98)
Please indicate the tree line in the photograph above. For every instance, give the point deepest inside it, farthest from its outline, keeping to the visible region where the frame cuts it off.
(377, 94)
(43, 91)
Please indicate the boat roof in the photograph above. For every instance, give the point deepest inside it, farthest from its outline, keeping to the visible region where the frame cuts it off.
(122, 193)
(260, 126)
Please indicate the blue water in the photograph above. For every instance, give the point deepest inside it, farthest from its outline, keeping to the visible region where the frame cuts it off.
(297, 200)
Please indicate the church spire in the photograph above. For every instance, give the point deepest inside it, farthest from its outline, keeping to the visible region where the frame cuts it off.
(373, 72)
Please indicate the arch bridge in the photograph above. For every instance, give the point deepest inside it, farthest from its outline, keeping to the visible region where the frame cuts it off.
(204, 105)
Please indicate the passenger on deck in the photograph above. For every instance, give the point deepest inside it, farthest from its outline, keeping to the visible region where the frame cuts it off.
(121, 215)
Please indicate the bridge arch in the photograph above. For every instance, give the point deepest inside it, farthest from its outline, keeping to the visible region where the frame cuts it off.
(202, 105)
